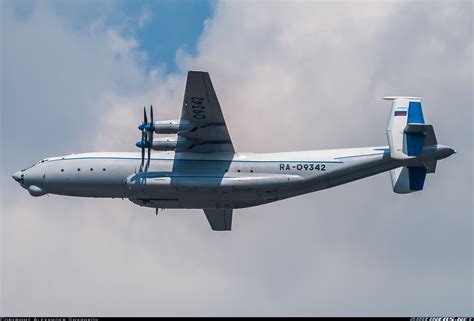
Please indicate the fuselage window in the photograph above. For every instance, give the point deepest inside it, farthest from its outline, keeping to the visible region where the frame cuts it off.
(62, 169)
(103, 169)
(78, 169)
(92, 169)
(251, 171)
(238, 170)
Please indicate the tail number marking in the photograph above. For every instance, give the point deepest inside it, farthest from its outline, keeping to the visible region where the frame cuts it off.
(198, 109)
(303, 167)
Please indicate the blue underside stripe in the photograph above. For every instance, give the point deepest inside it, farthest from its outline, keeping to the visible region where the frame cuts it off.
(204, 160)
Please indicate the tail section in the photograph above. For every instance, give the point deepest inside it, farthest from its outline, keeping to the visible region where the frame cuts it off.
(410, 139)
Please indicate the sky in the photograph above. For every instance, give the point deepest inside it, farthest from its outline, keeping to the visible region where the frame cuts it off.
(75, 76)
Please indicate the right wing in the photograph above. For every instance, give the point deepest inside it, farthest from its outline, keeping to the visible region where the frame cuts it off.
(202, 125)
(219, 219)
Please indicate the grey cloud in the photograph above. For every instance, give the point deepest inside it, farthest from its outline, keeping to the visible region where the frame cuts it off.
(289, 76)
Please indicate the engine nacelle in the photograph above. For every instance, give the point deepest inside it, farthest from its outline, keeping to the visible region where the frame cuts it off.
(165, 143)
(170, 126)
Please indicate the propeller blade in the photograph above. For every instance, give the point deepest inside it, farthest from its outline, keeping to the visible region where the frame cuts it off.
(150, 137)
(143, 144)
(143, 160)
(149, 156)
(151, 116)
(143, 124)
(145, 121)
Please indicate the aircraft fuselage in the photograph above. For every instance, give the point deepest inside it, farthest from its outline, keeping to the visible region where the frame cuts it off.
(212, 180)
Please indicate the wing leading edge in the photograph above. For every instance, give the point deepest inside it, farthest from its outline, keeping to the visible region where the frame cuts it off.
(202, 126)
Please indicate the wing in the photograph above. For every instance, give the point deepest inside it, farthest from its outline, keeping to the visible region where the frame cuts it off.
(220, 220)
(202, 127)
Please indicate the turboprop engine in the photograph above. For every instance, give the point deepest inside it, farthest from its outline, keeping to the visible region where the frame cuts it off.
(165, 143)
(169, 126)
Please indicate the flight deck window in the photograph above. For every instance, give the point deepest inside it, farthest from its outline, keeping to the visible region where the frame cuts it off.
(29, 167)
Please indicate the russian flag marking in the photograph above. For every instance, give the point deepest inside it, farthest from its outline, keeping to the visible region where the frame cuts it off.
(400, 113)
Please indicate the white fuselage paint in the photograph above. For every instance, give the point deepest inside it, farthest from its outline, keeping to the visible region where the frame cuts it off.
(220, 180)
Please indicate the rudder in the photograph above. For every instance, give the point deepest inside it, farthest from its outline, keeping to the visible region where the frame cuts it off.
(408, 179)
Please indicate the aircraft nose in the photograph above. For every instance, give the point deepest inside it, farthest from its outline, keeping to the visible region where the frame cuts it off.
(16, 176)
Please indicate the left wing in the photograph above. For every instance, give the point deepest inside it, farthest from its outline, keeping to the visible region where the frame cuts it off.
(202, 127)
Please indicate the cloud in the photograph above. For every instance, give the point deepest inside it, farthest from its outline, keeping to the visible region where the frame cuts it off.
(311, 75)
(144, 17)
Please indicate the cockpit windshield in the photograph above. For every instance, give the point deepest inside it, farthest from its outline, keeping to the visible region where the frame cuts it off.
(41, 161)
(24, 169)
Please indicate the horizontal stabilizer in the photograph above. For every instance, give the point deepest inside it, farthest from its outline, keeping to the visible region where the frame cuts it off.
(414, 129)
(426, 130)
(430, 137)
(402, 97)
(431, 166)
(219, 219)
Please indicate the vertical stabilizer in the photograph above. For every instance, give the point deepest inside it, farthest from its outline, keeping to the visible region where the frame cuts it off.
(406, 125)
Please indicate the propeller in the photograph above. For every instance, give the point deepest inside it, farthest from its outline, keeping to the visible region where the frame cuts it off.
(150, 129)
(147, 129)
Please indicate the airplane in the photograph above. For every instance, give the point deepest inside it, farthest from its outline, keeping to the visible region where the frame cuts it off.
(194, 164)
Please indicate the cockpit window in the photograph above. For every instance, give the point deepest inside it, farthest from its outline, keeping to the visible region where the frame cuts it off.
(28, 167)
(41, 161)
